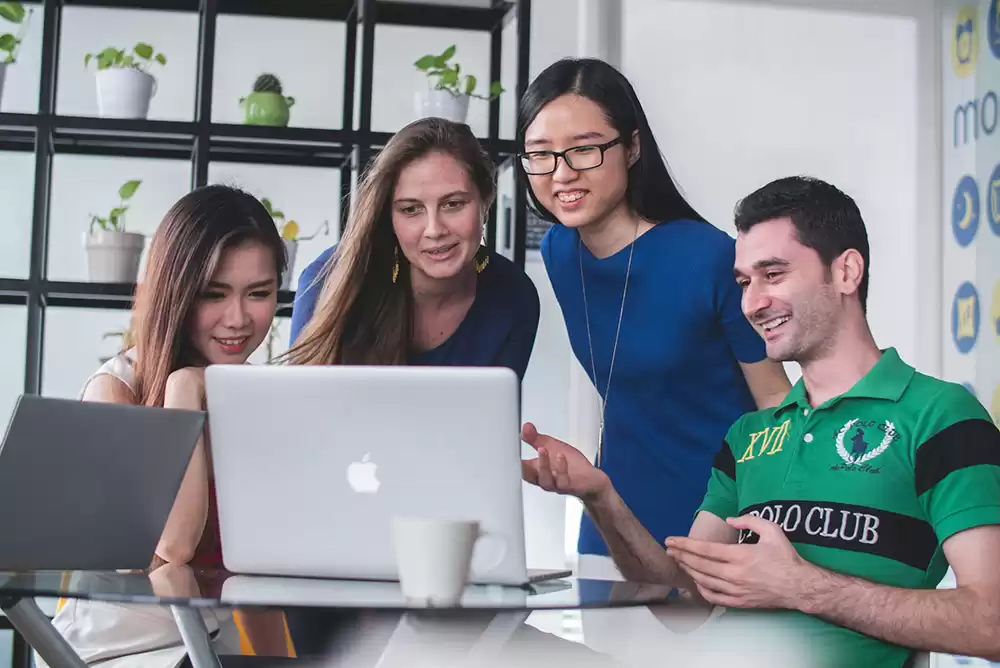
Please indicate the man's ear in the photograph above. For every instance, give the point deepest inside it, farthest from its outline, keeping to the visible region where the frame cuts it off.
(848, 270)
(634, 149)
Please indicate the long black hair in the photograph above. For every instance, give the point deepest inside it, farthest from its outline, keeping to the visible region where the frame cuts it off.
(651, 192)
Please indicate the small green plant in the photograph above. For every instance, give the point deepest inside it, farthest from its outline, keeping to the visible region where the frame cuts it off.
(444, 75)
(140, 59)
(290, 230)
(10, 43)
(115, 220)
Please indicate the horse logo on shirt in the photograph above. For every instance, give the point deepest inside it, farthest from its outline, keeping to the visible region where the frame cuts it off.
(861, 450)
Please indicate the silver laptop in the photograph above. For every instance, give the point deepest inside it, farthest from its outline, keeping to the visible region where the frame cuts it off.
(87, 485)
(312, 462)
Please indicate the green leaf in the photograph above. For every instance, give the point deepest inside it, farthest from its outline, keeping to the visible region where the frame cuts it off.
(118, 212)
(267, 205)
(496, 88)
(12, 11)
(7, 42)
(128, 61)
(127, 190)
(425, 63)
(449, 78)
(277, 214)
(143, 50)
(448, 53)
(86, 59)
(470, 84)
(161, 59)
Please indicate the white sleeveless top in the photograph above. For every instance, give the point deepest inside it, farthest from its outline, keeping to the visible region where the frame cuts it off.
(130, 635)
(121, 366)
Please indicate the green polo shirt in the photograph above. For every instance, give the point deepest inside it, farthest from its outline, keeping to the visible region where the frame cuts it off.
(870, 483)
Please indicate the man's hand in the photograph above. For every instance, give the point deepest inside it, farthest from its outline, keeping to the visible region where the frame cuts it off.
(768, 574)
(560, 467)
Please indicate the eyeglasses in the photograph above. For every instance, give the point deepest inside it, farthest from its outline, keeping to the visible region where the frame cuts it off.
(578, 158)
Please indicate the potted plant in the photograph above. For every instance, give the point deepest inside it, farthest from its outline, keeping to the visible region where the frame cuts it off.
(124, 84)
(266, 105)
(448, 91)
(112, 253)
(9, 42)
(291, 236)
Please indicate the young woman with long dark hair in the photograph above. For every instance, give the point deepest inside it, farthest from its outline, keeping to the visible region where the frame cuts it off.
(647, 292)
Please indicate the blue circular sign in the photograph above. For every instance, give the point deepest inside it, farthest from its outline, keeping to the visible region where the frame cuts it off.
(965, 317)
(993, 28)
(965, 211)
(993, 200)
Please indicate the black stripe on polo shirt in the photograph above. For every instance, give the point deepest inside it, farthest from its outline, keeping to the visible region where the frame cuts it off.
(967, 443)
(725, 462)
(844, 526)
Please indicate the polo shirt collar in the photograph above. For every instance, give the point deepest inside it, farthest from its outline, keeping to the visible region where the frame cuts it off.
(888, 379)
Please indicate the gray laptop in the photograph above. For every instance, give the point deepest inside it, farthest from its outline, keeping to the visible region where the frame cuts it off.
(87, 485)
(312, 462)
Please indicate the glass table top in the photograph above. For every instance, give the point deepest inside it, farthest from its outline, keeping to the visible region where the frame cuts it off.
(174, 584)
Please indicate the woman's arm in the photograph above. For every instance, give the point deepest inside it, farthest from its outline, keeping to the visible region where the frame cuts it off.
(187, 519)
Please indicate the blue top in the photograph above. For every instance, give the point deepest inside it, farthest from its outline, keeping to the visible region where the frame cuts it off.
(498, 330)
(677, 385)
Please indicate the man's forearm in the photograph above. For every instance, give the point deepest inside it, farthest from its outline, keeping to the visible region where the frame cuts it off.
(635, 552)
(955, 621)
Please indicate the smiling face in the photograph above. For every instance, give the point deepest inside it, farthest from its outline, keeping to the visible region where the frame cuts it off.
(437, 215)
(577, 198)
(234, 312)
(789, 295)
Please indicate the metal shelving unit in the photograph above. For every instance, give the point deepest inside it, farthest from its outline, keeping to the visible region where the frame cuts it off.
(201, 141)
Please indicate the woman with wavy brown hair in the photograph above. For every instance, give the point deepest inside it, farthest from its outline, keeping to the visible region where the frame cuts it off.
(411, 282)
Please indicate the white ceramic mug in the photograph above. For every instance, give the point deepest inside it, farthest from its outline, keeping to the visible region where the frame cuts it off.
(434, 558)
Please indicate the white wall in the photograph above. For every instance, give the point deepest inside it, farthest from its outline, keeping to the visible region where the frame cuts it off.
(740, 93)
(308, 57)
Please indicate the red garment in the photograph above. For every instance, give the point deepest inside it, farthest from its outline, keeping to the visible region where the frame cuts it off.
(208, 554)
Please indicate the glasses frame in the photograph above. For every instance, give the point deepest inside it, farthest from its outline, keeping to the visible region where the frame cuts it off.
(562, 154)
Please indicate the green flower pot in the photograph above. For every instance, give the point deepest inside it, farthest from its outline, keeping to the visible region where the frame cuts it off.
(266, 108)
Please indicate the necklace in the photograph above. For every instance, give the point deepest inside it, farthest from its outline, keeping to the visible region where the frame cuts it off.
(590, 342)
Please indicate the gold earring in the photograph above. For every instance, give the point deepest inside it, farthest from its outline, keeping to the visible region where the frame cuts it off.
(480, 264)
(395, 264)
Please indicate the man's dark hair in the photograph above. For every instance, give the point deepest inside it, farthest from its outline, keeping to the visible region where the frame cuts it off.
(825, 219)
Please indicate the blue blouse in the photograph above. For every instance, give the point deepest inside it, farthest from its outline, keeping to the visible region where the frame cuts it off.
(498, 330)
(677, 384)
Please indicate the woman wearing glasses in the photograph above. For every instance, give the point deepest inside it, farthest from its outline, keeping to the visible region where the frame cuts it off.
(647, 291)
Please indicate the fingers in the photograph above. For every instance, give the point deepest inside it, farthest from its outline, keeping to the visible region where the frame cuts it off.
(545, 478)
(529, 434)
(560, 471)
(695, 563)
(708, 549)
(529, 471)
(712, 583)
(758, 525)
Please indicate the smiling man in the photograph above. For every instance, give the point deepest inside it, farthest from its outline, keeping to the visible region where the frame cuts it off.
(849, 500)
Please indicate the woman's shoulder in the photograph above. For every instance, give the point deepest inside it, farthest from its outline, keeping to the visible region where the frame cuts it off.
(121, 367)
(509, 284)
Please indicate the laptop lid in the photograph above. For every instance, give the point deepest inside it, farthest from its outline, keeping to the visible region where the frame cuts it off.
(312, 462)
(87, 485)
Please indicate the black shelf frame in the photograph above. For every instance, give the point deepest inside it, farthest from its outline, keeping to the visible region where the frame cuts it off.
(202, 141)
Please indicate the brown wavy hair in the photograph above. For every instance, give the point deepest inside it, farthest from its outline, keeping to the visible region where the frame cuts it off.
(361, 316)
(183, 256)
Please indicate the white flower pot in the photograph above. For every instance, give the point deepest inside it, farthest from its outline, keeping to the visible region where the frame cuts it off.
(124, 93)
(3, 72)
(290, 248)
(113, 257)
(441, 104)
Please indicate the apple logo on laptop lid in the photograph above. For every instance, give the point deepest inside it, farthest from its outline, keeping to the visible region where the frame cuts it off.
(362, 476)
